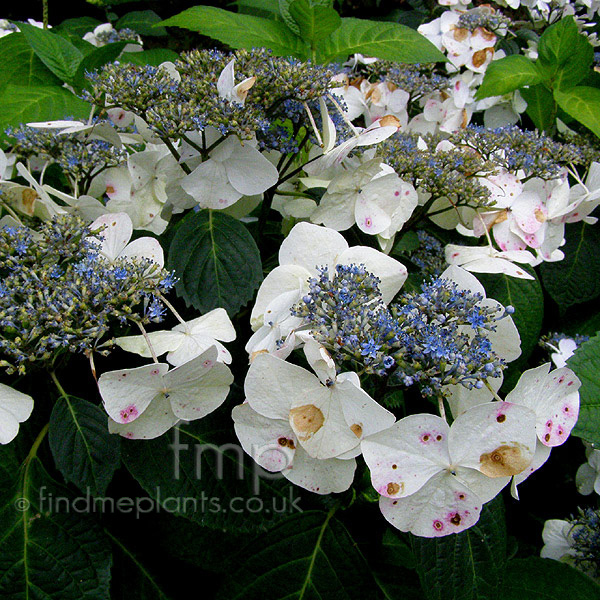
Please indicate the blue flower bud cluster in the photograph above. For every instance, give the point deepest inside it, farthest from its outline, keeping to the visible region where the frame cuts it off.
(58, 294)
(585, 534)
(429, 256)
(516, 149)
(79, 156)
(173, 107)
(431, 338)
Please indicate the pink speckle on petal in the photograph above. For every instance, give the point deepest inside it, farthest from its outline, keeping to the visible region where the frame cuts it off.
(128, 413)
(438, 525)
(368, 222)
(129, 435)
(570, 383)
(208, 363)
(154, 372)
(396, 193)
(561, 379)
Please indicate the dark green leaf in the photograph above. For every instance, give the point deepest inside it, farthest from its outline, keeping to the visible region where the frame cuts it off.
(217, 261)
(131, 579)
(95, 60)
(526, 296)
(576, 278)
(507, 75)
(209, 479)
(154, 57)
(142, 22)
(48, 550)
(541, 106)
(315, 22)
(585, 363)
(78, 26)
(83, 450)
(20, 65)
(240, 31)
(388, 41)
(583, 104)
(9, 464)
(20, 104)
(397, 550)
(466, 566)
(545, 579)
(258, 8)
(57, 53)
(308, 557)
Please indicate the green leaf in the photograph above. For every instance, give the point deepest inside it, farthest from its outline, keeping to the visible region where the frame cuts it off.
(397, 550)
(565, 53)
(576, 278)
(541, 106)
(583, 104)
(131, 580)
(143, 22)
(195, 471)
(58, 54)
(9, 463)
(20, 104)
(20, 65)
(309, 556)
(315, 22)
(83, 450)
(508, 74)
(388, 41)
(528, 300)
(259, 8)
(240, 31)
(95, 60)
(217, 261)
(78, 26)
(585, 363)
(49, 554)
(546, 579)
(154, 57)
(468, 565)
(284, 12)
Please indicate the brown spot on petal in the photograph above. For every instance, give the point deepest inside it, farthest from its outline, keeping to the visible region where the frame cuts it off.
(502, 216)
(283, 441)
(110, 189)
(455, 519)
(465, 119)
(29, 197)
(394, 488)
(480, 57)
(356, 430)
(389, 120)
(306, 420)
(485, 34)
(539, 215)
(461, 34)
(243, 88)
(503, 461)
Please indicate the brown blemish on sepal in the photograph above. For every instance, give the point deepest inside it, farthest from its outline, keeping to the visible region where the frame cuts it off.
(389, 120)
(28, 198)
(356, 430)
(504, 461)
(306, 420)
(394, 489)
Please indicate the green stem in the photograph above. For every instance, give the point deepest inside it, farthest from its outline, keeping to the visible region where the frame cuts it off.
(45, 13)
(58, 386)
